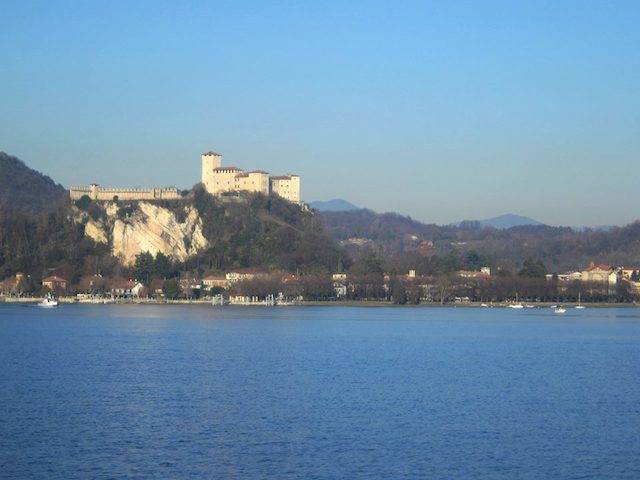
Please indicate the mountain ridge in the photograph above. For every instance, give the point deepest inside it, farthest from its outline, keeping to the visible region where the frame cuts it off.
(333, 205)
(25, 189)
(508, 220)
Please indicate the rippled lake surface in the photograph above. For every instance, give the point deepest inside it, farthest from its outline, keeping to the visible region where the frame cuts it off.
(318, 392)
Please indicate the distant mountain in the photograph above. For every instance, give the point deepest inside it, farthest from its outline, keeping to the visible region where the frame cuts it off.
(24, 189)
(334, 205)
(508, 220)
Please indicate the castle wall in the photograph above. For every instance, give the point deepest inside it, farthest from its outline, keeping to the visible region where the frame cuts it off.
(287, 186)
(253, 182)
(223, 180)
(109, 194)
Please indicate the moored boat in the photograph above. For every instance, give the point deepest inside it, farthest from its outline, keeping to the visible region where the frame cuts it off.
(579, 306)
(48, 302)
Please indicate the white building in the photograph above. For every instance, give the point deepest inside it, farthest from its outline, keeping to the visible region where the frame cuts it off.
(218, 179)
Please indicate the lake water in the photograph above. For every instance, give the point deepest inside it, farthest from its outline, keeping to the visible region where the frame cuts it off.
(318, 393)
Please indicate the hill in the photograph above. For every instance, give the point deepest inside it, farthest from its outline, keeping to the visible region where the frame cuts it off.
(41, 231)
(508, 220)
(25, 189)
(560, 248)
(334, 205)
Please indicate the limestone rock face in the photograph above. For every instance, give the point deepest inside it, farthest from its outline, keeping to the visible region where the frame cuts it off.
(96, 231)
(146, 227)
(155, 229)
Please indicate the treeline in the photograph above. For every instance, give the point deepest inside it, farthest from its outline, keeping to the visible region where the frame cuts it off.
(253, 230)
(561, 248)
(40, 244)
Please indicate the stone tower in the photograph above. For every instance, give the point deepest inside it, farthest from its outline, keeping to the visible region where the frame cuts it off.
(210, 161)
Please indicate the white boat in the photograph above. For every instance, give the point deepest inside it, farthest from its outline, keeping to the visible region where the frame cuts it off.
(517, 304)
(48, 302)
(580, 306)
(560, 310)
(218, 300)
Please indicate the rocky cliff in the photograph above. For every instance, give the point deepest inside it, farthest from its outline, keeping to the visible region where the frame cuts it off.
(145, 227)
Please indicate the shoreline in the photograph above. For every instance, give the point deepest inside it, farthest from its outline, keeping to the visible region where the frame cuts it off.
(312, 303)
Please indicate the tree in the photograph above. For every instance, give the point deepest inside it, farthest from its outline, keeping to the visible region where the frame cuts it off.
(161, 265)
(533, 269)
(171, 289)
(443, 288)
(473, 260)
(144, 267)
(369, 263)
(398, 292)
(83, 202)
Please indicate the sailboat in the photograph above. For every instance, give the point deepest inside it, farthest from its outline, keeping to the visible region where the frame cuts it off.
(580, 306)
(516, 304)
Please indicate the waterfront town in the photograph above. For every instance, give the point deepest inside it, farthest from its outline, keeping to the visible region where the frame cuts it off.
(242, 237)
(596, 283)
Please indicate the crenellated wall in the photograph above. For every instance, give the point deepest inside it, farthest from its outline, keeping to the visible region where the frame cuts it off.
(95, 192)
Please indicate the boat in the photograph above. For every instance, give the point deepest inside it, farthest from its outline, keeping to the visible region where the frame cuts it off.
(218, 301)
(516, 304)
(579, 306)
(560, 310)
(48, 302)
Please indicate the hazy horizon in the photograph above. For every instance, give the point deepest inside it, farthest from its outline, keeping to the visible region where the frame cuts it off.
(440, 112)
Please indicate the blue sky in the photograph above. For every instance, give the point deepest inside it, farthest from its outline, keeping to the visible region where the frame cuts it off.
(439, 110)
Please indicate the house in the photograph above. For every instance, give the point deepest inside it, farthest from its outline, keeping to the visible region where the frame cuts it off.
(565, 277)
(242, 274)
(189, 284)
(473, 274)
(600, 274)
(123, 288)
(55, 284)
(215, 281)
(629, 273)
(426, 248)
(340, 288)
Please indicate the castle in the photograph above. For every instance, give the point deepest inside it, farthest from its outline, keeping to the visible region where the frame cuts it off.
(215, 178)
(218, 179)
(95, 192)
